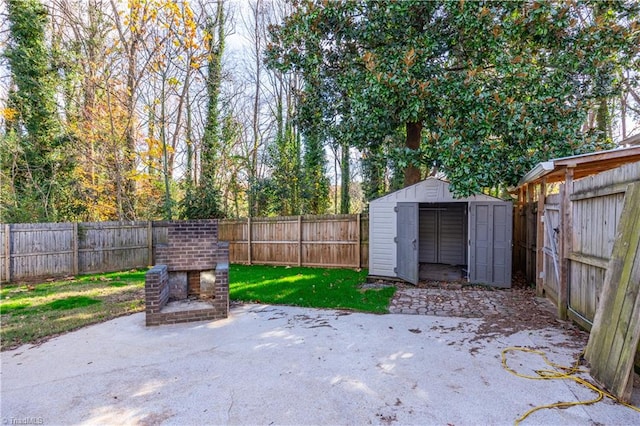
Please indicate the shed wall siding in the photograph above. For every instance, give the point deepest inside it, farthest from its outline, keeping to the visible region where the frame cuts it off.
(382, 231)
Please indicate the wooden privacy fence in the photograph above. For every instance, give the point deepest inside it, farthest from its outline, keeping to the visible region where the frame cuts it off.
(44, 250)
(574, 237)
(595, 213)
(337, 241)
(566, 239)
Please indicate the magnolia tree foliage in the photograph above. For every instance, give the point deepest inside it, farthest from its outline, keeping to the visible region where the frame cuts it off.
(479, 90)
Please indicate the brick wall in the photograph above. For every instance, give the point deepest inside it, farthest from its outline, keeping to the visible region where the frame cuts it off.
(191, 246)
(221, 299)
(156, 289)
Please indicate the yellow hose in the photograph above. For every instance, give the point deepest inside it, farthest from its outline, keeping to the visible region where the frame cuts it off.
(559, 372)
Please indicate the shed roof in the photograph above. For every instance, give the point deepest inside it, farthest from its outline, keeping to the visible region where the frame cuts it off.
(430, 190)
(582, 165)
(632, 140)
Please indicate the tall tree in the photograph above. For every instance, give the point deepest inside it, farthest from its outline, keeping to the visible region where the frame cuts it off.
(205, 200)
(42, 172)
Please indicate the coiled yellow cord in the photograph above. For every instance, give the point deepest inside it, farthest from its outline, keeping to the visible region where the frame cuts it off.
(559, 372)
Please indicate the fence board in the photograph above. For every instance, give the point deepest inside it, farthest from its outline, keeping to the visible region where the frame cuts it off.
(4, 253)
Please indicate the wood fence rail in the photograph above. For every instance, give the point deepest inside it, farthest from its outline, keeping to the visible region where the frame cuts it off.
(45, 250)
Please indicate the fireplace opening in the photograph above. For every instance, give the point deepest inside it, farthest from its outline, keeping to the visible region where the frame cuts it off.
(193, 284)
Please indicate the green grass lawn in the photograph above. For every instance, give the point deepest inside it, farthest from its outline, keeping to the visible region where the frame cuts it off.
(30, 313)
(308, 287)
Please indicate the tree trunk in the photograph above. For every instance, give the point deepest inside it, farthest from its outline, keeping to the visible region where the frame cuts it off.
(345, 180)
(412, 173)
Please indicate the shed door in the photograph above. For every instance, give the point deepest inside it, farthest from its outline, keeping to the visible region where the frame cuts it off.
(490, 228)
(407, 242)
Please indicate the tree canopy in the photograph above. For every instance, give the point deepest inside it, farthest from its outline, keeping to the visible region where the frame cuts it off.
(480, 91)
(149, 109)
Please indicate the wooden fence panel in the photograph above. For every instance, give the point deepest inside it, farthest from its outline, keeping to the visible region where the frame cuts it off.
(112, 246)
(41, 250)
(364, 240)
(595, 206)
(4, 252)
(236, 233)
(616, 327)
(594, 226)
(331, 241)
(32, 251)
(596, 203)
(274, 241)
(326, 241)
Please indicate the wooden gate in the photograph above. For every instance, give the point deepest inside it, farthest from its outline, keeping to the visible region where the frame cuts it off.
(551, 249)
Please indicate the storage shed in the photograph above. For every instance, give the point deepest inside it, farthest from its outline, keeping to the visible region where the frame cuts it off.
(422, 230)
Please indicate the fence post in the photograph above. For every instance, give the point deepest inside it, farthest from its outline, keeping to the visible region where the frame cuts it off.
(7, 254)
(249, 239)
(75, 248)
(359, 242)
(542, 195)
(565, 240)
(150, 242)
(299, 240)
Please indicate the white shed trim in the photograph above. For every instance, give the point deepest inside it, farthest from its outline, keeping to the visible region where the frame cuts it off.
(430, 190)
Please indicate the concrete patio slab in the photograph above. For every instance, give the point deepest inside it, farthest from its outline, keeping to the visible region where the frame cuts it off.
(287, 365)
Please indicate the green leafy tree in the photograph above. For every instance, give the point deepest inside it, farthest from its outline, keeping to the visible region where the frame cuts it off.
(315, 190)
(285, 161)
(42, 165)
(481, 90)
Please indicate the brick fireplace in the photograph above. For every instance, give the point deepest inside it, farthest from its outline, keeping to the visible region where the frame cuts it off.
(190, 281)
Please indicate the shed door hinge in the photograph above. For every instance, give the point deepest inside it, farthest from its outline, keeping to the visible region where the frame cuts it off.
(395, 209)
